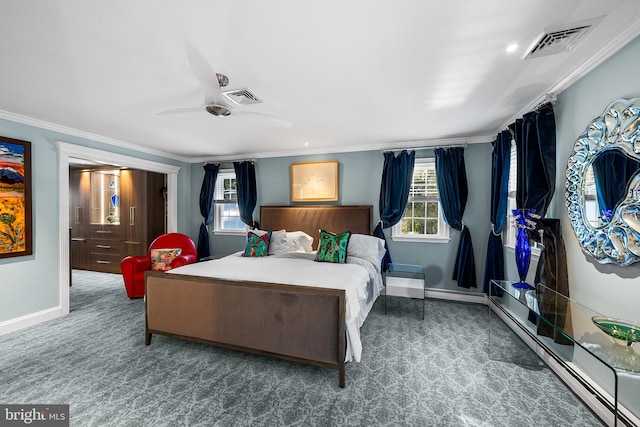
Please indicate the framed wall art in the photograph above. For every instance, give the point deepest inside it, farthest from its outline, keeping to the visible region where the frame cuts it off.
(314, 181)
(15, 198)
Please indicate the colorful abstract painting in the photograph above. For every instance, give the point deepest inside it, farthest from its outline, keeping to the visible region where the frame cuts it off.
(15, 198)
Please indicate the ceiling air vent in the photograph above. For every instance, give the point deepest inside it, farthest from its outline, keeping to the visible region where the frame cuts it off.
(560, 39)
(242, 97)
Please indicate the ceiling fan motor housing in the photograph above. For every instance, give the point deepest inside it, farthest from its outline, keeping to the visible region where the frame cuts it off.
(217, 110)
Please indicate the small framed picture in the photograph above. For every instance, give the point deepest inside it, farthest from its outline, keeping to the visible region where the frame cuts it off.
(314, 181)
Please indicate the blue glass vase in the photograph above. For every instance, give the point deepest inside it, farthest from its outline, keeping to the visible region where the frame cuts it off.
(523, 258)
(524, 219)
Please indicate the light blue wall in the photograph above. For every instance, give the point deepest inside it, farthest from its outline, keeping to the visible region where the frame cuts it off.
(612, 290)
(359, 183)
(30, 284)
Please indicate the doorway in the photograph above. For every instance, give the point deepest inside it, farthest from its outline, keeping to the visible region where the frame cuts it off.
(69, 151)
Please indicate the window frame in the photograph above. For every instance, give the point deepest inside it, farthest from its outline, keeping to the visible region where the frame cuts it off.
(219, 203)
(443, 227)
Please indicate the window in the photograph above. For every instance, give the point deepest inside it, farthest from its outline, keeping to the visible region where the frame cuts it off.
(509, 231)
(226, 215)
(423, 220)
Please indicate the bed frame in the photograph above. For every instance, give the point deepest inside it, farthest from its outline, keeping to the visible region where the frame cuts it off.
(300, 323)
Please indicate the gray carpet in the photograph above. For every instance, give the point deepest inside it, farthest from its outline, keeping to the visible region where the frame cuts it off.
(435, 372)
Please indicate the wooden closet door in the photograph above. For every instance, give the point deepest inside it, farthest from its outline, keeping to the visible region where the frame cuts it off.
(143, 209)
(133, 184)
(79, 209)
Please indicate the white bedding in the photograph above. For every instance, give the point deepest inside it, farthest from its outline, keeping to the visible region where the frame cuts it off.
(359, 278)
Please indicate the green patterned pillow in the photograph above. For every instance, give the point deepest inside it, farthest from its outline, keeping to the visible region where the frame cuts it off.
(257, 245)
(333, 247)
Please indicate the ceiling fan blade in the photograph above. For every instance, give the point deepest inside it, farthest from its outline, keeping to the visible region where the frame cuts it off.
(180, 110)
(264, 119)
(206, 76)
(212, 96)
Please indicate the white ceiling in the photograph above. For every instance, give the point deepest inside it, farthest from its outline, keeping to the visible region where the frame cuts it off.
(348, 75)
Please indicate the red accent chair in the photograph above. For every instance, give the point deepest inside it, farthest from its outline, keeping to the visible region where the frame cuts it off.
(133, 267)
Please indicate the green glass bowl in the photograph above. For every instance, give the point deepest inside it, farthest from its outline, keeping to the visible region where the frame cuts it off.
(620, 329)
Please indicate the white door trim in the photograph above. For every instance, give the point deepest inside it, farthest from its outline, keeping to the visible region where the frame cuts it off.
(67, 150)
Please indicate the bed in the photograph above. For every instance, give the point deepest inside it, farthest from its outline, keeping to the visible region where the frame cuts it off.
(286, 305)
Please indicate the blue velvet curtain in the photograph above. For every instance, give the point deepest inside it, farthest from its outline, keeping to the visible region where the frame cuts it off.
(247, 191)
(612, 171)
(397, 174)
(500, 166)
(451, 177)
(535, 136)
(206, 207)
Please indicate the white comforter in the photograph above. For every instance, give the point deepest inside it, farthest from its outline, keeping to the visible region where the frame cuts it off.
(359, 278)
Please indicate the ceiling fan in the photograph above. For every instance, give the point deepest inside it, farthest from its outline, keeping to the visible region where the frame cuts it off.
(218, 102)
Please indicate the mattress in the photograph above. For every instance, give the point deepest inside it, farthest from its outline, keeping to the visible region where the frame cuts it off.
(359, 278)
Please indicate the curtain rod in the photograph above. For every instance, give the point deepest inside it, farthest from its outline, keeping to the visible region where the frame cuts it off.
(229, 161)
(549, 98)
(431, 147)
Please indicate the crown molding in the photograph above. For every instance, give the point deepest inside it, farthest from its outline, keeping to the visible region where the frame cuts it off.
(407, 145)
(413, 144)
(30, 121)
(625, 35)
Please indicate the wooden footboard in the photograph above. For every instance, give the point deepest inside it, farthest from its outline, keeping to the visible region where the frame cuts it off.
(299, 323)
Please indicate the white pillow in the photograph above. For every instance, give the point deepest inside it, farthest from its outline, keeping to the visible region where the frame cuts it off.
(278, 243)
(299, 241)
(366, 247)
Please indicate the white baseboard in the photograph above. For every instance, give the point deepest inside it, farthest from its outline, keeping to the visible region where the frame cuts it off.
(29, 320)
(460, 296)
(414, 288)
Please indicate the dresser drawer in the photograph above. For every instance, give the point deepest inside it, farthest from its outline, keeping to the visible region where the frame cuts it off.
(109, 263)
(105, 232)
(100, 246)
(105, 255)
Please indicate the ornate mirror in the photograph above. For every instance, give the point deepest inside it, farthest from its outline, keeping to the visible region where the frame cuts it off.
(603, 185)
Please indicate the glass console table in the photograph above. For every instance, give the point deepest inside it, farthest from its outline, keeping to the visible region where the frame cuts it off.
(581, 339)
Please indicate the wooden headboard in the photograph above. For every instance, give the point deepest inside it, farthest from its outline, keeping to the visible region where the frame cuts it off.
(312, 219)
